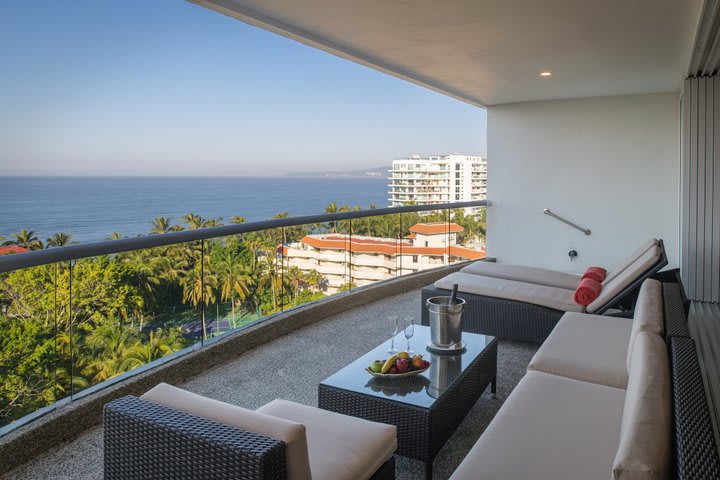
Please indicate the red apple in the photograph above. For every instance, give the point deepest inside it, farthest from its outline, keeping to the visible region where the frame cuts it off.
(402, 365)
(393, 370)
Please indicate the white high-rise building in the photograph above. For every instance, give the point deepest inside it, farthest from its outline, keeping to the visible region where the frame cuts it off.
(437, 179)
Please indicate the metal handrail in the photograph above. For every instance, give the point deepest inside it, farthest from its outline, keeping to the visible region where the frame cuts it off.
(74, 252)
(586, 231)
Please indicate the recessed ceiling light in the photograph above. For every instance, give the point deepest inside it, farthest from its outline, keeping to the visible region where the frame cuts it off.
(546, 74)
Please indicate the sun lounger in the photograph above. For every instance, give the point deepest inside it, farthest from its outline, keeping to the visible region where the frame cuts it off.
(544, 276)
(528, 311)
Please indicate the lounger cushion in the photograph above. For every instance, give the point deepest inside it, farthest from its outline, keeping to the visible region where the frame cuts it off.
(630, 260)
(624, 279)
(649, 314)
(645, 434)
(538, 276)
(549, 427)
(341, 447)
(551, 297)
(290, 432)
(592, 348)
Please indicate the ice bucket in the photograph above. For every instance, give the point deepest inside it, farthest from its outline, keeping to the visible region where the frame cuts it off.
(445, 321)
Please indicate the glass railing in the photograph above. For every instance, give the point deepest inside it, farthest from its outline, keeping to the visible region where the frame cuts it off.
(79, 318)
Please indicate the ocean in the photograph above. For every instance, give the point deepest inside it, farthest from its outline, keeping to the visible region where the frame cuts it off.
(92, 208)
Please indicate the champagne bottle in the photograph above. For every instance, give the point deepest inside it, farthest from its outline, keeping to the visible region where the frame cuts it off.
(453, 295)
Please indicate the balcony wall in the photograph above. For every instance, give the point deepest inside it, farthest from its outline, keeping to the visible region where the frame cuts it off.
(609, 164)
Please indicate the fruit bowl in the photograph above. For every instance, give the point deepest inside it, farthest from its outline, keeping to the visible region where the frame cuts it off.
(400, 365)
(394, 375)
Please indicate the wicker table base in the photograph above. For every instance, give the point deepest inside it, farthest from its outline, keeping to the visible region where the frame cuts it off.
(423, 424)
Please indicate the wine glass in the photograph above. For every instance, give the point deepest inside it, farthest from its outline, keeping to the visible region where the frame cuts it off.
(394, 329)
(409, 331)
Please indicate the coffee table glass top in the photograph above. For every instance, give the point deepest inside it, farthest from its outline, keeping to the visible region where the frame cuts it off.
(422, 390)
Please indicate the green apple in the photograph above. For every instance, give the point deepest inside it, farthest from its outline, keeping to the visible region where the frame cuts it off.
(376, 366)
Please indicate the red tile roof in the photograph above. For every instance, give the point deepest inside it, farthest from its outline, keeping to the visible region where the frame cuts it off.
(12, 249)
(435, 228)
(386, 247)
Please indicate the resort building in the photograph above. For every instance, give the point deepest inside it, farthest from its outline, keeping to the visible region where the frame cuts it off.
(359, 260)
(437, 179)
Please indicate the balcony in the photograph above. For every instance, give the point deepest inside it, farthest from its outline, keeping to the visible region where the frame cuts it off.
(606, 147)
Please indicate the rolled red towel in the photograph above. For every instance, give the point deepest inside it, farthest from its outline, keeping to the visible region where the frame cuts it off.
(596, 273)
(587, 291)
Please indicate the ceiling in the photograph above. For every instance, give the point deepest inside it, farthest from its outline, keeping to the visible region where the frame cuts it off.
(489, 52)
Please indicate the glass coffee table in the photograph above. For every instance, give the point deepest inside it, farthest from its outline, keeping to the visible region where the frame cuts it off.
(426, 408)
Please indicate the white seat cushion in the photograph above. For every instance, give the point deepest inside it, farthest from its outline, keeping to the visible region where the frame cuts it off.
(341, 447)
(538, 276)
(592, 348)
(551, 297)
(630, 259)
(612, 288)
(549, 427)
(645, 435)
(291, 433)
(649, 312)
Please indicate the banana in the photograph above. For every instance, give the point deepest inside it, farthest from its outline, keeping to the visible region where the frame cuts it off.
(388, 364)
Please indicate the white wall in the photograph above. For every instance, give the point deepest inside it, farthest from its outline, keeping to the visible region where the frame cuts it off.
(609, 164)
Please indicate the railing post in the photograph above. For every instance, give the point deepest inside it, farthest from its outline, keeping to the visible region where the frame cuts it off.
(71, 328)
(202, 292)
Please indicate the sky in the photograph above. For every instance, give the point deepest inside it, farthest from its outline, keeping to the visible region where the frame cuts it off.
(166, 87)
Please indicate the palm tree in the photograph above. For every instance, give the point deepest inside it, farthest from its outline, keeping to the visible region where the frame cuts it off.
(213, 222)
(26, 239)
(345, 226)
(269, 274)
(333, 208)
(234, 278)
(282, 231)
(473, 224)
(161, 225)
(238, 219)
(316, 280)
(199, 285)
(194, 222)
(157, 346)
(296, 278)
(145, 277)
(254, 241)
(59, 240)
(110, 344)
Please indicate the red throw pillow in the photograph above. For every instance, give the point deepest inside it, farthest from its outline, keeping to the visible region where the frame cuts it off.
(587, 291)
(596, 273)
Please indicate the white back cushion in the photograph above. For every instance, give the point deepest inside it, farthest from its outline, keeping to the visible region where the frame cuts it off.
(625, 278)
(645, 432)
(649, 313)
(291, 433)
(630, 259)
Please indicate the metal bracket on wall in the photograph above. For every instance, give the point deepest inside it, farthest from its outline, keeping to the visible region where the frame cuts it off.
(586, 231)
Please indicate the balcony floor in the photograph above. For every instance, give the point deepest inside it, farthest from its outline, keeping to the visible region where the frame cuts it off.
(295, 364)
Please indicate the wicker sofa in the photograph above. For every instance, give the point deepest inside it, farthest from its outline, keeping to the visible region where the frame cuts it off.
(606, 397)
(171, 433)
(528, 311)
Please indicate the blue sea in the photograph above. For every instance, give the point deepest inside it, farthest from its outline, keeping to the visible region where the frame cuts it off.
(91, 208)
